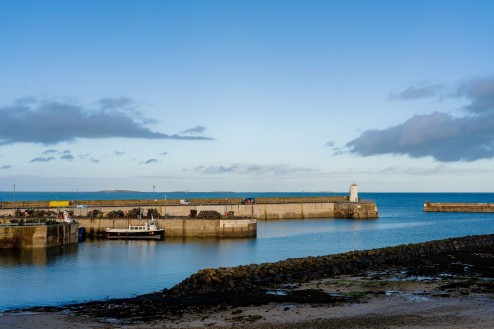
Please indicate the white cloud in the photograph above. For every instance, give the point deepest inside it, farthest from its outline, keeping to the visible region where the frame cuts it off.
(440, 135)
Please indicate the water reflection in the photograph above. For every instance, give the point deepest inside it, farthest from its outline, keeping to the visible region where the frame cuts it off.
(36, 256)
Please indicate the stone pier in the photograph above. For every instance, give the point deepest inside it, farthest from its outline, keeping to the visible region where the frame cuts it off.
(179, 227)
(39, 236)
(458, 207)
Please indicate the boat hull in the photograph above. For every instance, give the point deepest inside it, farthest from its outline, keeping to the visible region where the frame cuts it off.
(142, 235)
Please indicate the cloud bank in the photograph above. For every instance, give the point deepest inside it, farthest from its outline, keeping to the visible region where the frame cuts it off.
(252, 169)
(439, 135)
(52, 122)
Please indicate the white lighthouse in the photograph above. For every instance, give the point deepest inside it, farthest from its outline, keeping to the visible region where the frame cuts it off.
(353, 193)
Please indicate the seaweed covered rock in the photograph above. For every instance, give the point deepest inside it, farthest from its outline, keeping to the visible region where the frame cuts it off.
(249, 277)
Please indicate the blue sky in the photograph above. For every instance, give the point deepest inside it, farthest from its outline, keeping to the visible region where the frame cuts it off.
(247, 95)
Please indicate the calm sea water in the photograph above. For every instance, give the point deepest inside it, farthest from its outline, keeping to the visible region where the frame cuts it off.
(103, 269)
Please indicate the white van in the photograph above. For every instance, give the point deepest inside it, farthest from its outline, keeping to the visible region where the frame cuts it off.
(185, 201)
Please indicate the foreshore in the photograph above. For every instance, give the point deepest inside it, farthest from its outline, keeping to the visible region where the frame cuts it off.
(438, 284)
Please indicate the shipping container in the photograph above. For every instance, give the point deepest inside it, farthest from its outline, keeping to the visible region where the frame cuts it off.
(59, 204)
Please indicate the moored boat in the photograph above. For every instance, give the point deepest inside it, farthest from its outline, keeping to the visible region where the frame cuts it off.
(149, 230)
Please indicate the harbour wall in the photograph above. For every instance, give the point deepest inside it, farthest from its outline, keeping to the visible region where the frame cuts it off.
(179, 227)
(260, 211)
(458, 207)
(263, 211)
(39, 236)
(179, 220)
(270, 211)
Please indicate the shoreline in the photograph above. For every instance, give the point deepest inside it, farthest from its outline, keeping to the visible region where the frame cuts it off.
(399, 311)
(435, 284)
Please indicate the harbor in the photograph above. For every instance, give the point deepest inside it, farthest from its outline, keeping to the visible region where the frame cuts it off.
(179, 220)
(212, 217)
(154, 265)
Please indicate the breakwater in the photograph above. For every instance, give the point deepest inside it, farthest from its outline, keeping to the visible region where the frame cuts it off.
(258, 276)
(263, 209)
(458, 207)
(39, 236)
(180, 220)
(179, 227)
(292, 210)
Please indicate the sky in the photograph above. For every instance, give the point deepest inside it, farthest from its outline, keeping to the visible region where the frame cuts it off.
(267, 96)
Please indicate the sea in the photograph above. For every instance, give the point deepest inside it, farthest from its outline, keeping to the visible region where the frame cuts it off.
(101, 269)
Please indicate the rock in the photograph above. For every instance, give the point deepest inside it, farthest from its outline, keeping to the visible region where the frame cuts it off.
(243, 278)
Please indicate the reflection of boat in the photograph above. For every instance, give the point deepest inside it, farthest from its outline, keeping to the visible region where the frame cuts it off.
(149, 230)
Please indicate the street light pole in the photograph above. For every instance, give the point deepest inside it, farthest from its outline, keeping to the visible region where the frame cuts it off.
(13, 202)
(165, 205)
(154, 200)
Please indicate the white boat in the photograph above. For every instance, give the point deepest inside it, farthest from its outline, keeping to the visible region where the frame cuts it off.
(66, 217)
(149, 230)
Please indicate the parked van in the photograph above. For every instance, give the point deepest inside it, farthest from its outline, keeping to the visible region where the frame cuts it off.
(185, 201)
(248, 201)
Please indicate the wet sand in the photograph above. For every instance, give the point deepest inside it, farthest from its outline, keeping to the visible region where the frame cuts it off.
(412, 309)
(384, 300)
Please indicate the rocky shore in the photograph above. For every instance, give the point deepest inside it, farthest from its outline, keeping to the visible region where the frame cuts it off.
(253, 277)
(430, 284)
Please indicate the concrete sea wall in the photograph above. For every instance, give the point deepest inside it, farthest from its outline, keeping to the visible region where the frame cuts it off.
(180, 222)
(261, 211)
(177, 223)
(356, 210)
(179, 227)
(250, 277)
(39, 236)
(458, 207)
(286, 210)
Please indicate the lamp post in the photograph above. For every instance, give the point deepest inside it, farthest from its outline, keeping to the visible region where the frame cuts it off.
(76, 202)
(154, 200)
(165, 205)
(13, 202)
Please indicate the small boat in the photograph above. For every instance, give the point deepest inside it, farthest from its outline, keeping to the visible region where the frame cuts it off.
(149, 230)
(66, 217)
